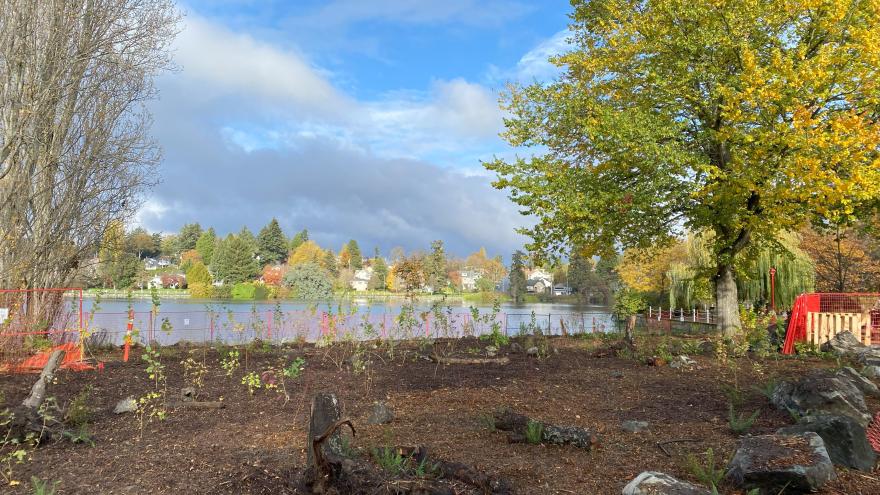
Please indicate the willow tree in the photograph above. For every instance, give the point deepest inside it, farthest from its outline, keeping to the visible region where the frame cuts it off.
(75, 154)
(743, 117)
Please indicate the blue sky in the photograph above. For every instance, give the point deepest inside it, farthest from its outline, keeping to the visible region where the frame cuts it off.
(352, 118)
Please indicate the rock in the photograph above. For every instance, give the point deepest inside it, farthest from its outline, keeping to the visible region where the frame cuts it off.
(707, 348)
(846, 344)
(823, 392)
(616, 374)
(866, 386)
(843, 344)
(871, 371)
(682, 362)
(491, 351)
(634, 426)
(532, 351)
(516, 348)
(654, 483)
(772, 463)
(569, 435)
(126, 405)
(381, 414)
(188, 394)
(845, 440)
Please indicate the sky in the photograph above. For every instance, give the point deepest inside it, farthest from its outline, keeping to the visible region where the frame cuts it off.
(363, 119)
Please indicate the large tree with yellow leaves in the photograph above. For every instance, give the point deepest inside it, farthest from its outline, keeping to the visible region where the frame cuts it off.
(743, 118)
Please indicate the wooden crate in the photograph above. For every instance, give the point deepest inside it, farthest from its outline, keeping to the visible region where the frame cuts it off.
(822, 327)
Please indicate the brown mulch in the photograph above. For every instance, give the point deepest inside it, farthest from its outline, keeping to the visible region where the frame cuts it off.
(255, 444)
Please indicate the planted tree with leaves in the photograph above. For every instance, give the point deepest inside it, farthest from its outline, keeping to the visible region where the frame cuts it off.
(743, 119)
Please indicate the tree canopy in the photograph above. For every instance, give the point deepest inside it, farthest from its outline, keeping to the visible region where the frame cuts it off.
(271, 244)
(740, 118)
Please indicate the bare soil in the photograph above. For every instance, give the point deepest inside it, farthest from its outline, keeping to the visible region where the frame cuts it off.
(255, 444)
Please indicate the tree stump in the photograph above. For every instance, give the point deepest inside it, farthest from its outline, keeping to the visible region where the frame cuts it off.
(26, 417)
(325, 412)
(517, 425)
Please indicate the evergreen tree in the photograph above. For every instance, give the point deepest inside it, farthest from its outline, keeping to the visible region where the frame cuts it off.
(380, 274)
(271, 246)
(234, 261)
(188, 237)
(329, 263)
(309, 282)
(435, 267)
(580, 274)
(198, 274)
(247, 236)
(356, 262)
(517, 276)
(299, 238)
(205, 245)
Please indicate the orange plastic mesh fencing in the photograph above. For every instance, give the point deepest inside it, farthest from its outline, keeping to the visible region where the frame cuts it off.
(816, 318)
(874, 433)
(35, 321)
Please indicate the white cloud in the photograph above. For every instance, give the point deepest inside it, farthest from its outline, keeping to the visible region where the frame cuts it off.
(219, 61)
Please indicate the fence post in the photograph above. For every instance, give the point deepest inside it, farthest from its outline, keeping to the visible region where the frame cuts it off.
(649, 311)
(695, 314)
(681, 315)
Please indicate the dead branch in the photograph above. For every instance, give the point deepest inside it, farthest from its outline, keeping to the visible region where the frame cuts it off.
(662, 445)
(451, 360)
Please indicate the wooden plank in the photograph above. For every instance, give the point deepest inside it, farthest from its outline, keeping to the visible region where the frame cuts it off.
(809, 335)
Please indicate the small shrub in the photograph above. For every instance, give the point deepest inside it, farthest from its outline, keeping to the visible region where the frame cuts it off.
(534, 432)
(390, 460)
(80, 435)
(194, 372)
(734, 394)
(295, 369)
(78, 411)
(486, 421)
(738, 423)
(230, 361)
(252, 381)
(767, 389)
(707, 471)
(40, 486)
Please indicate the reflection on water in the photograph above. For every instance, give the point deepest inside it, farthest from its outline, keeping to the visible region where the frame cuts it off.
(358, 318)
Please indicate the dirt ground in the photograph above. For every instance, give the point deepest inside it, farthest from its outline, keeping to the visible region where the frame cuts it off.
(256, 443)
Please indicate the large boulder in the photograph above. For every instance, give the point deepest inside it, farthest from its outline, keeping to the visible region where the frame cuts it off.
(772, 463)
(654, 483)
(848, 345)
(845, 440)
(824, 392)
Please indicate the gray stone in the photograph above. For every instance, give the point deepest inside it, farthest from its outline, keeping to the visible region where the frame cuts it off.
(634, 426)
(847, 345)
(126, 405)
(771, 463)
(823, 392)
(845, 440)
(381, 414)
(532, 351)
(188, 393)
(516, 348)
(654, 483)
(866, 386)
(616, 374)
(569, 435)
(871, 371)
(491, 351)
(682, 362)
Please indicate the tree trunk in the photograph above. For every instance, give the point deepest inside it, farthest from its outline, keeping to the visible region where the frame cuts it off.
(727, 301)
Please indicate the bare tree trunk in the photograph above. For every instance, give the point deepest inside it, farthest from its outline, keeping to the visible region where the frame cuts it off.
(727, 301)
